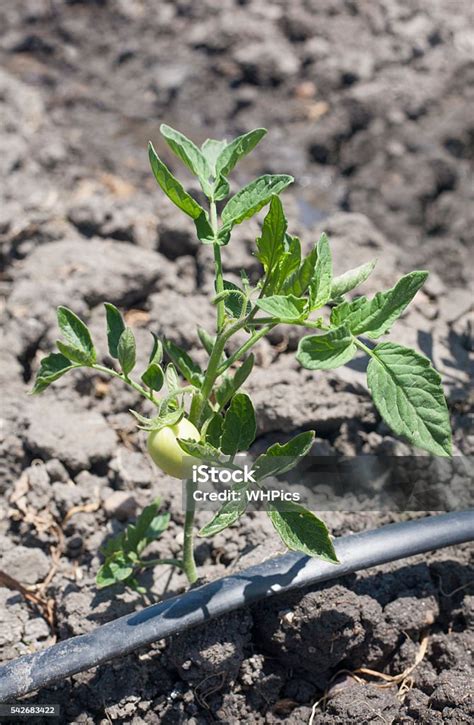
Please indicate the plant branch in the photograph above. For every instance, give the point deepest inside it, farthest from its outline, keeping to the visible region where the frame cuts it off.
(125, 379)
(189, 565)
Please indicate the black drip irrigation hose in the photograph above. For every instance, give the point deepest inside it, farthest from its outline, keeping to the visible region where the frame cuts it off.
(175, 615)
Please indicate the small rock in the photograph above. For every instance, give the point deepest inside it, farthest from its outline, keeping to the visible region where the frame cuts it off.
(120, 505)
(27, 565)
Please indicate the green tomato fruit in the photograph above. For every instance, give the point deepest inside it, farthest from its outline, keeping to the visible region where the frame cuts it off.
(166, 451)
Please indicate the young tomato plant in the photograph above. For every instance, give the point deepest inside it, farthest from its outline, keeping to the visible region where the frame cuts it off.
(208, 418)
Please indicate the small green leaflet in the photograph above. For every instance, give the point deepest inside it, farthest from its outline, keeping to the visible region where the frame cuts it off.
(187, 367)
(188, 152)
(127, 351)
(240, 427)
(351, 279)
(279, 458)
(51, 368)
(156, 355)
(234, 300)
(115, 327)
(230, 385)
(326, 351)
(213, 430)
(122, 553)
(154, 377)
(321, 281)
(285, 308)
(375, 317)
(78, 346)
(237, 149)
(211, 150)
(203, 451)
(227, 515)
(176, 193)
(270, 246)
(249, 200)
(408, 395)
(298, 282)
(302, 531)
(286, 266)
(172, 380)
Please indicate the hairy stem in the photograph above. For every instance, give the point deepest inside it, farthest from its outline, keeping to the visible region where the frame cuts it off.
(363, 347)
(157, 562)
(125, 379)
(218, 268)
(189, 565)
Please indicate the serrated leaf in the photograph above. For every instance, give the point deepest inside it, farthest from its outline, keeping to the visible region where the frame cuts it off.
(127, 351)
(177, 194)
(321, 281)
(280, 458)
(230, 385)
(240, 427)
(375, 317)
(301, 530)
(154, 377)
(77, 336)
(270, 246)
(408, 395)
(329, 350)
(286, 308)
(185, 364)
(287, 264)
(115, 327)
(164, 419)
(52, 367)
(351, 279)
(253, 197)
(237, 149)
(189, 153)
(211, 149)
(227, 515)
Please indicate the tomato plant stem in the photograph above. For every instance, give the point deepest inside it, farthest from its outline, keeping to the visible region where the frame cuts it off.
(189, 565)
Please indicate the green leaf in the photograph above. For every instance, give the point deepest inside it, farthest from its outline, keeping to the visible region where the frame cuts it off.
(156, 355)
(75, 356)
(270, 246)
(51, 368)
(408, 395)
(240, 427)
(326, 351)
(78, 338)
(172, 380)
(285, 308)
(211, 149)
(177, 194)
(237, 149)
(204, 451)
(154, 377)
(221, 189)
(280, 458)
(185, 364)
(249, 200)
(286, 266)
(230, 385)
(116, 569)
(301, 530)
(375, 317)
(234, 300)
(213, 430)
(127, 351)
(298, 281)
(351, 279)
(115, 327)
(227, 515)
(321, 282)
(188, 152)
